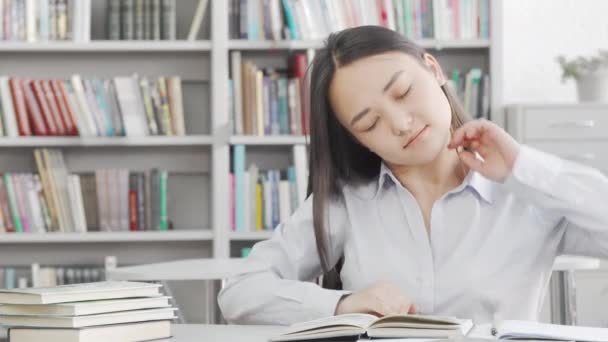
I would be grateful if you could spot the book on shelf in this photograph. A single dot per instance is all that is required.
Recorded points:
(86, 312)
(90, 107)
(261, 199)
(473, 88)
(37, 276)
(141, 19)
(45, 20)
(369, 326)
(527, 330)
(315, 19)
(106, 200)
(268, 101)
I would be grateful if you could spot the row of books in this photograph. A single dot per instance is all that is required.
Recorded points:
(473, 88)
(11, 278)
(107, 200)
(315, 19)
(268, 101)
(121, 106)
(89, 312)
(45, 20)
(141, 19)
(261, 200)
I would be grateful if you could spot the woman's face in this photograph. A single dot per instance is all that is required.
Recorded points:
(394, 106)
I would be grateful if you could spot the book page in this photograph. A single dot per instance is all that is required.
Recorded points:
(355, 320)
(534, 330)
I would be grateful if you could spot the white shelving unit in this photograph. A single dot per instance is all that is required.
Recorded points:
(198, 162)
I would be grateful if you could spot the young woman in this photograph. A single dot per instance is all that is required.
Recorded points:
(421, 209)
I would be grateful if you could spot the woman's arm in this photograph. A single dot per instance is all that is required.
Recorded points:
(282, 291)
(567, 190)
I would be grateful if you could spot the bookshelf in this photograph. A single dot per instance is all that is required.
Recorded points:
(198, 163)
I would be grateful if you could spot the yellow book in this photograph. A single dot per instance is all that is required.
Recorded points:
(258, 207)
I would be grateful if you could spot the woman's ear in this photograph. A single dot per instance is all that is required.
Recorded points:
(435, 68)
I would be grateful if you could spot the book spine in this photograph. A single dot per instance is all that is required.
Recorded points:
(156, 20)
(52, 105)
(114, 19)
(166, 113)
(20, 108)
(239, 174)
(138, 19)
(126, 20)
(39, 112)
(164, 222)
(133, 202)
(141, 202)
(6, 210)
(168, 19)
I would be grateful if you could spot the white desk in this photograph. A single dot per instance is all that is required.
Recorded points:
(223, 333)
(563, 290)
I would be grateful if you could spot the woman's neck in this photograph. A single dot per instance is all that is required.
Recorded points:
(438, 177)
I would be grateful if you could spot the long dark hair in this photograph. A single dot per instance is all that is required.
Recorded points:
(336, 158)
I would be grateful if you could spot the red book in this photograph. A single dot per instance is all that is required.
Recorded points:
(36, 87)
(33, 109)
(299, 71)
(64, 107)
(52, 101)
(20, 109)
(132, 210)
(383, 12)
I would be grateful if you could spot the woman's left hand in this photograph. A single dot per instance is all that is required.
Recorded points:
(497, 148)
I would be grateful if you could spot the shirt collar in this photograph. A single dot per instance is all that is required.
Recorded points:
(474, 180)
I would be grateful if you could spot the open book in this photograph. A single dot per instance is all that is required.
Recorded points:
(357, 325)
(518, 330)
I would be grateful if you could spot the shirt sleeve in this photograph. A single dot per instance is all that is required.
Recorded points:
(569, 191)
(279, 289)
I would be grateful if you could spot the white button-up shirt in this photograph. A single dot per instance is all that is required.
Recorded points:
(488, 256)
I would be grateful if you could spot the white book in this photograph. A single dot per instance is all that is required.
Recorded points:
(113, 199)
(141, 331)
(133, 117)
(390, 12)
(364, 325)
(85, 21)
(88, 320)
(85, 111)
(237, 91)
(36, 211)
(92, 307)
(79, 292)
(527, 330)
(81, 222)
(438, 19)
(177, 105)
(284, 200)
(276, 19)
(30, 20)
(9, 119)
(199, 14)
(102, 202)
(301, 166)
(35, 271)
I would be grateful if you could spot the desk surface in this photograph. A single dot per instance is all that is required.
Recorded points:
(223, 333)
(216, 269)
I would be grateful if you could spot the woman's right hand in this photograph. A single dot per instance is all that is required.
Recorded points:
(380, 299)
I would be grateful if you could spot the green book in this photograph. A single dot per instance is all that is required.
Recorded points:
(10, 191)
(163, 199)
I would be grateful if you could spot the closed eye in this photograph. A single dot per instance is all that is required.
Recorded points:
(402, 96)
(371, 127)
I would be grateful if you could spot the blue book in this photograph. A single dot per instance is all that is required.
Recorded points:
(293, 188)
(103, 105)
(9, 278)
(276, 213)
(291, 23)
(238, 164)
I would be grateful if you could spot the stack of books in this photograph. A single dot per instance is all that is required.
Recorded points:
(101, 311)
